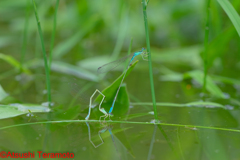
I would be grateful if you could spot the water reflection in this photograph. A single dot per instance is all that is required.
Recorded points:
(90, 137)
(101, 131)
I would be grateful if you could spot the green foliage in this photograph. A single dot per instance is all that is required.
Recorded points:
(79, 36)
(211, 86)
(122, 103)
(232, 14)
(219, 46)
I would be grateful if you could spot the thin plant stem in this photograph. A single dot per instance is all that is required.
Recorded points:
(144, 4)
(206, 47)
(24, 45)
(44, 55)
(159, 124)
(53, 33)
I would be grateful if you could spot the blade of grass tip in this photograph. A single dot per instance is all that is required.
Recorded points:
(144, 5)
(53, 33)
(44, 55)
(129, 52)
(206, 47)
(25, 32)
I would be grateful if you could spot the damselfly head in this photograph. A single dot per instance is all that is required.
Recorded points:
(144, 54)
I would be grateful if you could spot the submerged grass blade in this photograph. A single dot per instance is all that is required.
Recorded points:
(191, 104)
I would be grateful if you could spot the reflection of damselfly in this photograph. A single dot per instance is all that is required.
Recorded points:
(109, 128)
(90, 137)
(110, 66)
(75, 90)
(106, 127)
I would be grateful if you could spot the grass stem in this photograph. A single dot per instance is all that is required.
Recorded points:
(44, 55)
(144, 4)
(206, 47)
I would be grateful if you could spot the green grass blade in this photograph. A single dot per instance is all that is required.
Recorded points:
(14, 63)
(44, 54)
(232, 13)
(205, 59)
(144, 5)
(190, 104)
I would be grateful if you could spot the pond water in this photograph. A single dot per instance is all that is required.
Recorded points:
(183, 132)
(129, 141)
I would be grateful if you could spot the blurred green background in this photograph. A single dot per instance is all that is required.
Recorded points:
(92, 33)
